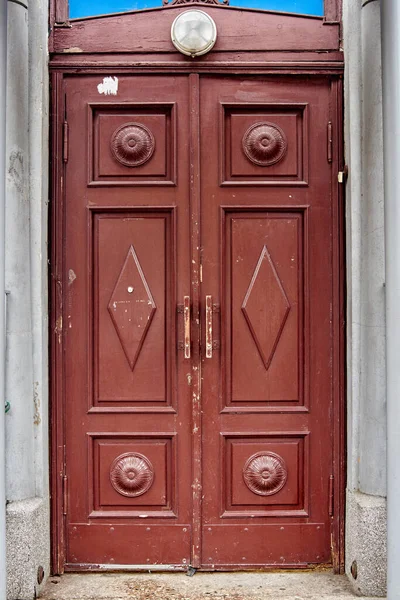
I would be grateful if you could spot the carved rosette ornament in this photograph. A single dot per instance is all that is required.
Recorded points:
(264, 144)
(131, 474)
(132, 144)
(265, 473)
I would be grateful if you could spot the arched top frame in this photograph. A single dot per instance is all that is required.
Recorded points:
(252, 33)
(59, 10)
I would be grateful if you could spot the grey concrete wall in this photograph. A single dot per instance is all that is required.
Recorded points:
(38, 197)
(27, 462)
(19, 424)
(366, 392)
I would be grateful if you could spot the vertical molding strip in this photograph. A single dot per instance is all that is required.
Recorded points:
(194, 106)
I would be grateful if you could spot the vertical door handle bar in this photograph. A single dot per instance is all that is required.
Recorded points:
(186, 321)
(209, 325)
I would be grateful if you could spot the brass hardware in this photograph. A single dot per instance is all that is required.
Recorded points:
(209, 317)
(342, 175)
(186, 321)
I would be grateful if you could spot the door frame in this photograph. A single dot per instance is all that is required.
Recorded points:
(59, 11)
(60, 70)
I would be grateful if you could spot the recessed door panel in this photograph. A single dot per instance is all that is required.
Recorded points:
(259, 135)
(133, 308)
(263, 320)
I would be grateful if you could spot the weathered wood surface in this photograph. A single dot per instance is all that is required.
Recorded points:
(238, 30)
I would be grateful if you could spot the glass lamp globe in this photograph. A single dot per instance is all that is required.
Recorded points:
(193, 33)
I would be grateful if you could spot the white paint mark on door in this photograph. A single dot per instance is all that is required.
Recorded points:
(109, 86)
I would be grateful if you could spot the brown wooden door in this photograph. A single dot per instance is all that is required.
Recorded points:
(157, 473)
(267, 260)
(127, 400)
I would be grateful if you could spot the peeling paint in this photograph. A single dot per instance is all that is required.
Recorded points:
(72, 50)
(58, 329)
(71, 276)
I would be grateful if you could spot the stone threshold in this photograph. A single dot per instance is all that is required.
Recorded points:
(202, 586)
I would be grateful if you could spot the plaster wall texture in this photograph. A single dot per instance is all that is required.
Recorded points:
(27, 458)
(372, 467)
(366, 377)
(19, 421)
(38, 196)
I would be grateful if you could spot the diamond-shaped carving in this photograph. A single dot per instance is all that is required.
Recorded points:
(266, 307)
(132, 307)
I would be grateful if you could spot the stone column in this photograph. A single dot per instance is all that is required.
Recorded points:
(391, 112)
(28, 540)
(3, 85)
(366, 392)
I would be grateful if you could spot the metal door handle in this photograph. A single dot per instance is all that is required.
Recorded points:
(209, 327)
(186, 322)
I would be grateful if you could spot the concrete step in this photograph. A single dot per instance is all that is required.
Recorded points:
(202, 586)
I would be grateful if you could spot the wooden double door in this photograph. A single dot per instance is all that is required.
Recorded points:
(200, 322)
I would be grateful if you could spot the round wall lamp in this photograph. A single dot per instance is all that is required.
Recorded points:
(193, 33)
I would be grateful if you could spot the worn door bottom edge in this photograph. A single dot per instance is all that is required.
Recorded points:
(71, 568)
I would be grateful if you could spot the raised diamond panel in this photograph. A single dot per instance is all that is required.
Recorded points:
(266, 307)
(132, 307)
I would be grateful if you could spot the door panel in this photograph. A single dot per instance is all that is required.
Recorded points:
(133, 307)
(267, 264)
(127, 402)
(263, 315)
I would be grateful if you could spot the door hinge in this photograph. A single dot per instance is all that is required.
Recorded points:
(331, 481)
(65, 141)
(330, 142)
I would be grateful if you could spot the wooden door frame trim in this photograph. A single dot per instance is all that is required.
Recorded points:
(339, 329)
(195, 258)
(77, 65)
(59, 12)
(56, 335)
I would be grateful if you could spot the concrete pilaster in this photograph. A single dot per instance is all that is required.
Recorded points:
(366, 360)
(27, 459)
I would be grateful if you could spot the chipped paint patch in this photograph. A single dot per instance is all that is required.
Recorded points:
(58, 329)
(109, 86)
(71, 276)
(72, 50)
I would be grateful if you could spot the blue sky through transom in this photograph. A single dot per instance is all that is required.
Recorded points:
(88, 8)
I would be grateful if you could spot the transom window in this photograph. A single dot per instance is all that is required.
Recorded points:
(89, 8)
